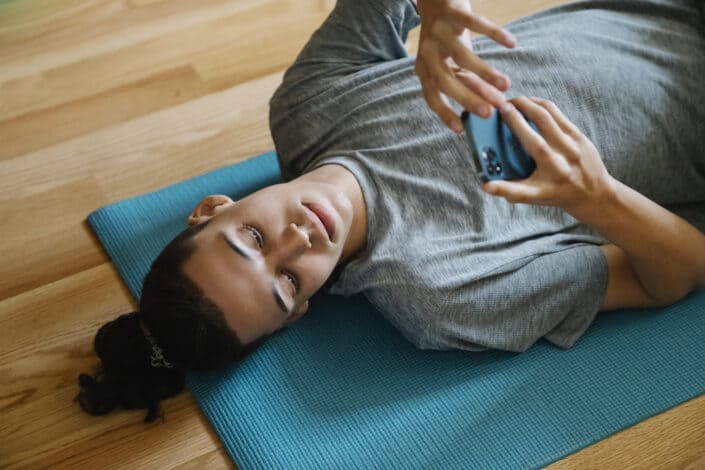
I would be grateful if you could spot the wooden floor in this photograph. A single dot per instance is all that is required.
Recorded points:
(105, 99)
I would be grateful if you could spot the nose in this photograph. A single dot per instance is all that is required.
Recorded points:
(294, 241)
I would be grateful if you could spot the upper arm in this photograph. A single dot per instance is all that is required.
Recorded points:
(623, 287)
(356, 34)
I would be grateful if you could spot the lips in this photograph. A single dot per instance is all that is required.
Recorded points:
(324, 217)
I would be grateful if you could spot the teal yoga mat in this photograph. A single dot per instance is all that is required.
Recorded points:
(342, 389)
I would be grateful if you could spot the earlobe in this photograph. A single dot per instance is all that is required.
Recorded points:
(208, 207)
(192, 220)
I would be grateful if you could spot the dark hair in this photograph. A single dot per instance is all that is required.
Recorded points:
(189, 328)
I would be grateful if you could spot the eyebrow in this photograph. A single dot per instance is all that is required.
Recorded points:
(277, 297)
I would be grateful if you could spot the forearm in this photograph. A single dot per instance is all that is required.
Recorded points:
(666, 253)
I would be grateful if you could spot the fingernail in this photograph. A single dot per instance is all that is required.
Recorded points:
(457, 127)
(506, 108)
(485, 111)
(500, 82)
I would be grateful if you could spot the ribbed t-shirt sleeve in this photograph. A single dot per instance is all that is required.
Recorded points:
(555, 296)
(356, 36)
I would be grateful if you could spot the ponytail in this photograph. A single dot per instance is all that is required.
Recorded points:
(127, 377)
(145, 355)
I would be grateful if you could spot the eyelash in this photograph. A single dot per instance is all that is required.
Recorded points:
(260, 242)
(255, 234)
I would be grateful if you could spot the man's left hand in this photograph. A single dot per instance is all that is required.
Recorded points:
(447, 65)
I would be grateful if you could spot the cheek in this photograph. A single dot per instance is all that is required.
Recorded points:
(317, 270)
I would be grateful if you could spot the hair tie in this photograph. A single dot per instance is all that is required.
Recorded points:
(156, 358)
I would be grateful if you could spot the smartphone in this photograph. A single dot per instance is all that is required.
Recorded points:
(495, 150)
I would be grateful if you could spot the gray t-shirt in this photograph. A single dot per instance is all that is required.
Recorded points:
(448, 265)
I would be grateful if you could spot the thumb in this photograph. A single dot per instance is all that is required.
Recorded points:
(512, 191)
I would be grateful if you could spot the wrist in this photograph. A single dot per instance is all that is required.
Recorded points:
(602, 200)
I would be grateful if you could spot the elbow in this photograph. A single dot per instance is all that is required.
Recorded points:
(666, 297)
(699, 282)
(663, 300)
(700, 271)
(676, 288)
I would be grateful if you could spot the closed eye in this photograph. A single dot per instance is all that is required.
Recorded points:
(277, 297)
(293, 280)
(256, 235)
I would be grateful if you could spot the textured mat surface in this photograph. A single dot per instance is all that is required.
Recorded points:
(341, 388)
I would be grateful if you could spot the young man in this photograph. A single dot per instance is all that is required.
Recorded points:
(381, 195)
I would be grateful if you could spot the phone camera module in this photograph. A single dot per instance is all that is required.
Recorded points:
(488, 153)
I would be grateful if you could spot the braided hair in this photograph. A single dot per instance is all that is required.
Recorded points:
(145, 355)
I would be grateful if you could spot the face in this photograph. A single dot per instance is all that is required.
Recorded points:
(262, 257)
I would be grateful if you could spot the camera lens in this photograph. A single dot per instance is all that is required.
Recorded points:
(498, 168)
(490, 169)
(488, 153)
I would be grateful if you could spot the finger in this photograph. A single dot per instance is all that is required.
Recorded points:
(469, 61)
(466, 39)
(513, 191)
(563, 122)
(547, 126)
(449, 85)
(482, 25)
(478, 86)
(533, 142)
(436, 101)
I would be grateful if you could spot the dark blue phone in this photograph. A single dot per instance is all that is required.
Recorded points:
(496, 152)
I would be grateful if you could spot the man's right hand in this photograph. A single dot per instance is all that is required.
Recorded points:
(447, 65)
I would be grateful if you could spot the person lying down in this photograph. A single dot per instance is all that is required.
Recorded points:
(381, 197)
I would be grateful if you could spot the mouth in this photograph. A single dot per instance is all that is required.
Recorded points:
(324, 218)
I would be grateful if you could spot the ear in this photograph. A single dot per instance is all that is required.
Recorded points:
(209, 207)
(298, 314)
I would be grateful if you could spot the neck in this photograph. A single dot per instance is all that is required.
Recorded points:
(345, 181)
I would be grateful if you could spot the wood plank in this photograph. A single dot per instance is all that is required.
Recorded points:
(27, 18)
(46, 257)
(39, 363)
(95, 75)
(149, 152)
(215, 460)
(673, 439)
(67, 312)
(42, 128)
(44, 238)
(257, 52)
(39, 36)
(48, 338)
(88, 115)
(68, 438)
